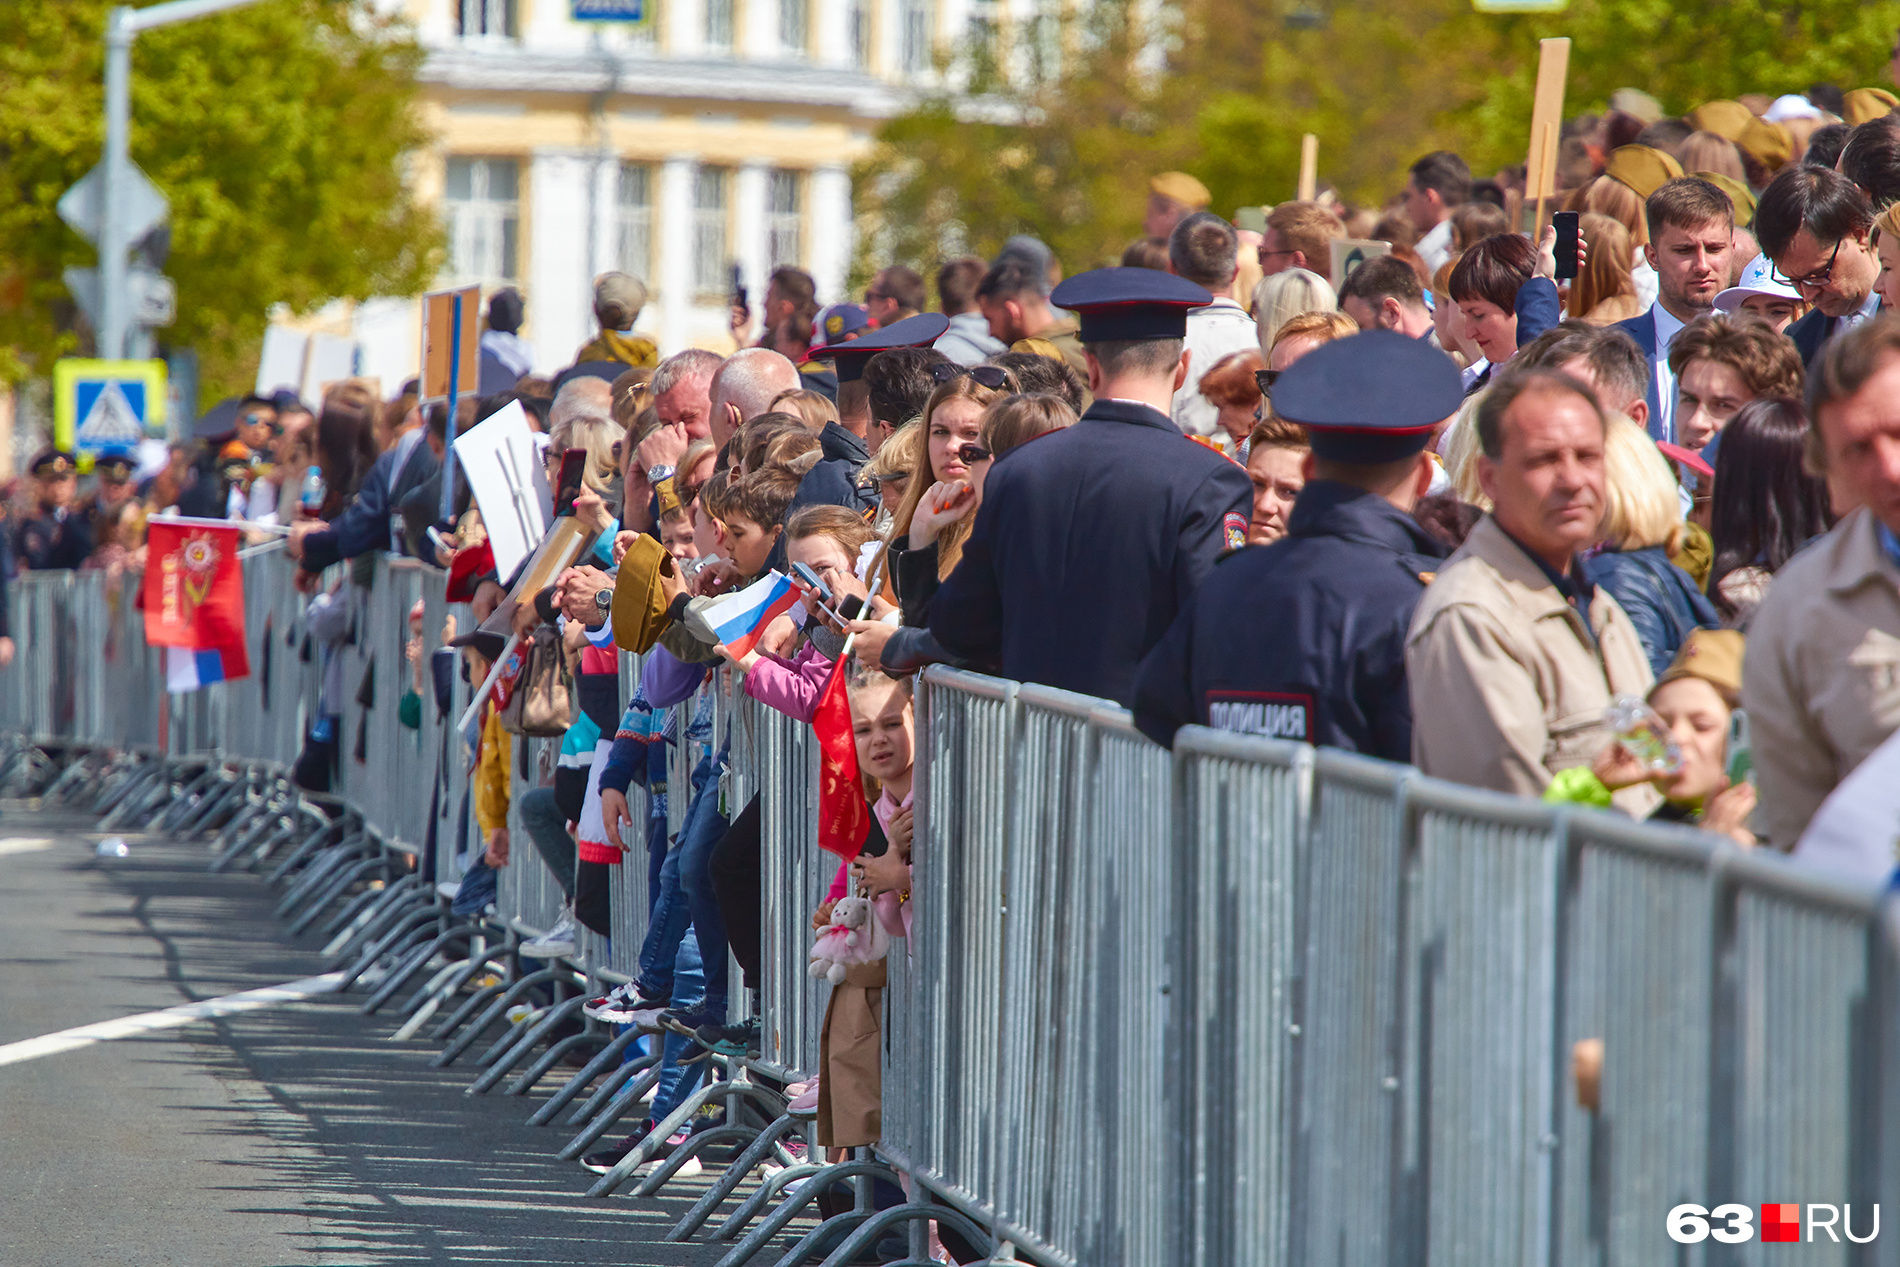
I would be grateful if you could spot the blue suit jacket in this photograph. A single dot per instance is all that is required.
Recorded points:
(1643, 330)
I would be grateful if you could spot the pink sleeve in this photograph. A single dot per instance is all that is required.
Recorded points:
(789, 686)
(840, 883)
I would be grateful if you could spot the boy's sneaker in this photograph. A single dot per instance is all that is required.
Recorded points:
(624, 1005)
(730, 1040)
(687, 1021)
(559, 942)
(605, 1159)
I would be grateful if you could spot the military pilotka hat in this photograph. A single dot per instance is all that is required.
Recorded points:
(113, 468)
(919, 331)
(1369, 398)
(52, 464)
(1133, 304)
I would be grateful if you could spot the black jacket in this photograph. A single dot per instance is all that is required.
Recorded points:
(1089, 541)
(1303, 639)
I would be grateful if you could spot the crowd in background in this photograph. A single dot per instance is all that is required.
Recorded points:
(1622, 534)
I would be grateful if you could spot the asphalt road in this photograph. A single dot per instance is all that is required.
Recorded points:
(298, 1134)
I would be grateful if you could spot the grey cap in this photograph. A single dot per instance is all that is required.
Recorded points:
(618, 299)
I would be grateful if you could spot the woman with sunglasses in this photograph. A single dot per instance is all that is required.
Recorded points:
(943, 484)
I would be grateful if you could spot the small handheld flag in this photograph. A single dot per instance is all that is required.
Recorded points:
(194, 602)
(740, 619)
(844, 817)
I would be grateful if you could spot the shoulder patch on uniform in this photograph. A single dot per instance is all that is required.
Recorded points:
(1234, 530)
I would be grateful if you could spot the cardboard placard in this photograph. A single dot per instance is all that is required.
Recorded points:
(1547, 118)
(502, 459)
(1309, 168)
(451, 364)
(1350, 253)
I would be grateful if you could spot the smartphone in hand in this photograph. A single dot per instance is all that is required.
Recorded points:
(1565, 251)
(568, 486)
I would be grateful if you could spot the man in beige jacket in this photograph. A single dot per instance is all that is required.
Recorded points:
(1513, 655)
(1821, 681)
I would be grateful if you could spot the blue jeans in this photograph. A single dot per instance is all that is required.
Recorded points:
(687, 899)
(677, 1081)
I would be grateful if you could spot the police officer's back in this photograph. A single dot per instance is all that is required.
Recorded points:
(1089, 539)
(1304, 639)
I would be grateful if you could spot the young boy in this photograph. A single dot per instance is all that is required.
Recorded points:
(750, 514)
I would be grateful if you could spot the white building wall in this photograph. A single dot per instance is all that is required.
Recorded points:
(559, 286)
(831, 231)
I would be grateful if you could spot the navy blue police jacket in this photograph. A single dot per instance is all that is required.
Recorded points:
(1302, 639)
(1088, 543)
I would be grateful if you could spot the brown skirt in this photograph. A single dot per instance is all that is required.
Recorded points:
(850, 1078)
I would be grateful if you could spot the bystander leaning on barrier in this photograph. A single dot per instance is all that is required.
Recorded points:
(1514, 655)
(1822, 679)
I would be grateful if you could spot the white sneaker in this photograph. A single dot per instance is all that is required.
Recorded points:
(448, 888)
(558, 942)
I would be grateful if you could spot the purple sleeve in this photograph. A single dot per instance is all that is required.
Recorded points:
(792, 686)
(667, 679)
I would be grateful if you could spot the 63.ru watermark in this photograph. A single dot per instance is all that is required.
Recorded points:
(1733, 1224)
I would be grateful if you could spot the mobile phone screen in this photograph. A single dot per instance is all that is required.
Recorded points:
(568, 487)
(1565, 222)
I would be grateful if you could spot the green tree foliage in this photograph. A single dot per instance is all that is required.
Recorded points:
(1064, 151)
(279, 133)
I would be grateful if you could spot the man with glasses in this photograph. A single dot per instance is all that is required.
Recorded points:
(1817, 228)
(1300, 235)
(1691, 236)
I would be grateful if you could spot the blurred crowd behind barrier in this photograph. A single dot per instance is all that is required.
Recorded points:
(1246, 1003)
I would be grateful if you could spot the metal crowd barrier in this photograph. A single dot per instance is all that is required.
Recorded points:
(1249, 1003)
(1309, 1007)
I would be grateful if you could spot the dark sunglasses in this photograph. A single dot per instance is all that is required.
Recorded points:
(1265, 379)
(990, 376)
(971, 454)
(251, 420)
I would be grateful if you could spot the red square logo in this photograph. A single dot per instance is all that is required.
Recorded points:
(1781, 1222)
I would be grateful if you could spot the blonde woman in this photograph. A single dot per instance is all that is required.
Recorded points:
(1285, 295)
(1887, 251)
(1604, 292)
(1642, 526)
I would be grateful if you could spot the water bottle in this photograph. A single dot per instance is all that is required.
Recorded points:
(310, 495)
(1642, 734)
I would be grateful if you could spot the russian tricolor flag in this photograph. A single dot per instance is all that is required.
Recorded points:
(187, 670)
(739, 619)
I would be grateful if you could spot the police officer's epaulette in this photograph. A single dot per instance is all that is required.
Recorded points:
(1420, 567)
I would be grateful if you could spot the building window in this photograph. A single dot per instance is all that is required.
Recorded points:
(484, 214)
(794, 17)
(784, 219)
(916, 15)
(633, 224)
(711, 250)
(858, 25)
(719, 26)
(486, 17)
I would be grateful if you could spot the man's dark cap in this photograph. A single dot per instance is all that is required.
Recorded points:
(113, 466)
(53, 462)
(1129, 304)
(286, 400)
(255, 399)
(1369, 398)
(219, 421)
(919, 331)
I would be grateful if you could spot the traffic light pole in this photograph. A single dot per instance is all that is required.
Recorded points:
(122, 26)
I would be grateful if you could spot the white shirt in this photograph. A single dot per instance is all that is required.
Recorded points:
(1435, 247)
(1217, 330)
(1667, 328)
(1646, 283)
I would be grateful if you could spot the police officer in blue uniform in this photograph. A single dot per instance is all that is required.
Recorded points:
(1304, 639)
(57, 535)
(1090, 539)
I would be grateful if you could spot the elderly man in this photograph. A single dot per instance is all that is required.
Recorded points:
(1513, 655)
(1822, 679)
(682, 398)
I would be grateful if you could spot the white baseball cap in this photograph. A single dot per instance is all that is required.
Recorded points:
(1757, 279)
(1792, 106)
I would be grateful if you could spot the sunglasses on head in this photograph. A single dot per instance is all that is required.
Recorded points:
(990, 376)
(1265, 379)
(971, 454)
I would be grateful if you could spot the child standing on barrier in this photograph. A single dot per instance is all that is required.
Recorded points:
(848, 1095)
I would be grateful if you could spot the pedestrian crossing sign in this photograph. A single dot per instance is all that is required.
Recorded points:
(106, 407)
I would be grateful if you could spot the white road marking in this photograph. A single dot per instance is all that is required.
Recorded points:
(169, 1018)
(24, 844)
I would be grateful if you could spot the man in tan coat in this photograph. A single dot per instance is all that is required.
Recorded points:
(1513, 655)
(1821, 681)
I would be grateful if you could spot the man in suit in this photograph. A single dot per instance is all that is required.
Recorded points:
(1817, 227)
(1691, 231)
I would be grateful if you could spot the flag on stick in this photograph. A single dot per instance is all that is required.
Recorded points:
(194, 602)
(844, 817)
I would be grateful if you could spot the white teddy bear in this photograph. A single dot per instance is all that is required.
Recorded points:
(853, 936)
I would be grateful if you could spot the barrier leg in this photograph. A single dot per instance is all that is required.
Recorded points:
(319, 839)
(761, 1147)
(503, 1062)
(475, 1003)
(406, 972)
(607, 1058)
(450, 1054)
(732, 1090)
(793, 1206)
(695, 1144)
(352, 924)
(427, 1001)
(755, 1204)
(317, 897)
(551, 1057)
(411, 930)
(614, 1107)
(916, 1213)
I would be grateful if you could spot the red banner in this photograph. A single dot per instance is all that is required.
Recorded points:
(194, 589)
(844, 817)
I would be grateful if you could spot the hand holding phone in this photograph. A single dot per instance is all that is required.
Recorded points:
(568, 487)
(1565, 249)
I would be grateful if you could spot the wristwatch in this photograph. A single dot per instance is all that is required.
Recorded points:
(662, 472)
(604, 601)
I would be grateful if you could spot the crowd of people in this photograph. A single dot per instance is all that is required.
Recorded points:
(1617, 530)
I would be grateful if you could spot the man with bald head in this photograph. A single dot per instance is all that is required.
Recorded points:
(585, 397)
(745, 387)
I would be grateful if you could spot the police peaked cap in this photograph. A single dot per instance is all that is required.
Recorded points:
(1369, 398)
